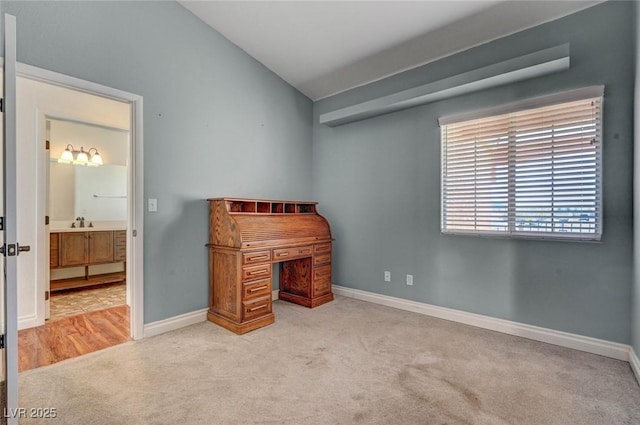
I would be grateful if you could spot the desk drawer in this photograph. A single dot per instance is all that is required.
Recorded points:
(255, 308)
(256, 257)
(256, 272)
(322, 248)
(321, 280)
(305, 251)
(322, 273)
(321, 287)
(255, 289)
(321, 259)
(289, 253)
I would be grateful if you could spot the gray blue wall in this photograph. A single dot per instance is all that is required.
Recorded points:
(378, 183)
(216, 122)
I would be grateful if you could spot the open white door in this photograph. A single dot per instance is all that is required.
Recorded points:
(9, 247)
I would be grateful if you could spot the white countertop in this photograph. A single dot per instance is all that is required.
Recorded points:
(98, 226)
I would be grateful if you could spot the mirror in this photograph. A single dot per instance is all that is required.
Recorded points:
(96, 193)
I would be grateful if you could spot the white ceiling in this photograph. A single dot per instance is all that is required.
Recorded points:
(326, 47)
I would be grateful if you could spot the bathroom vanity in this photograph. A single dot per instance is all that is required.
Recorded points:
(87, 247)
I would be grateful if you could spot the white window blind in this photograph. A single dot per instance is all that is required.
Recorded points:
(533, 172)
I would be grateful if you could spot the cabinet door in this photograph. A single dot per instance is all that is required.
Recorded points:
(73, 249)
(100, 247)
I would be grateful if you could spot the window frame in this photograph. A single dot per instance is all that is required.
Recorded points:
(593, 92)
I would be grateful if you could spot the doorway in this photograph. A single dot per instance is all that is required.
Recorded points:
(87, 207)
(32, 309)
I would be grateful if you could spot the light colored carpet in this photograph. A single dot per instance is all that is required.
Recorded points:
(344, 362)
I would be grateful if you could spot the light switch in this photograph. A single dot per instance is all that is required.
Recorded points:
(153, 205)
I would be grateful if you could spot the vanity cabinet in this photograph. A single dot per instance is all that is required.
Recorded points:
(85, 249)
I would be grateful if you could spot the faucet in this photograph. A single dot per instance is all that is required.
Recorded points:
(81, 220)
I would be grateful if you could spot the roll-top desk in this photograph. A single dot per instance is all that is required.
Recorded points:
(246, 237)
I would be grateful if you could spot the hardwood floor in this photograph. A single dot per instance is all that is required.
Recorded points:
(72, 336)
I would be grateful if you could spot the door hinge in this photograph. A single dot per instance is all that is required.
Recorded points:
(1, 223)
(46, 220)
(46, 144)
(134, 233)
(1, 341)
(1, 104)
(46, 295)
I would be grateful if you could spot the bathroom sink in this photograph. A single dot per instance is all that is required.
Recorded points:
(65, 226)
(86, 229)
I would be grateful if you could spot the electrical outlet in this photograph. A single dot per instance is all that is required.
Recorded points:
(409, 279)
(387, 276)
(152, 205)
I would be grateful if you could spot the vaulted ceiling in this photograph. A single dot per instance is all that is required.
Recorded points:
(326, 47)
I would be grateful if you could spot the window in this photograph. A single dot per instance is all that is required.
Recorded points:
(530, 169)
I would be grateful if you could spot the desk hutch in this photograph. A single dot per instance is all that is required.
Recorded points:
(246, 237)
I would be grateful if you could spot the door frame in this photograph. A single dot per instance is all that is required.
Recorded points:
(135, 231)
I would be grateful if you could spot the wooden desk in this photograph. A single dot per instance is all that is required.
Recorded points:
(246, 237)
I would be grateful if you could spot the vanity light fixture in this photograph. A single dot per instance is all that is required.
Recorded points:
(72, 156)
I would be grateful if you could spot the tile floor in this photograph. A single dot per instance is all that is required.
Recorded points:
(82, 300)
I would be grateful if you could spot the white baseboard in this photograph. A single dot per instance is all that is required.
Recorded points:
(274, 294)
(173, 323)
(635, 363)
(26, 322)
(564, 339)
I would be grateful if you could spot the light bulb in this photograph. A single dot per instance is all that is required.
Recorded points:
(96, 159)
(82, 157)
(66, 157)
